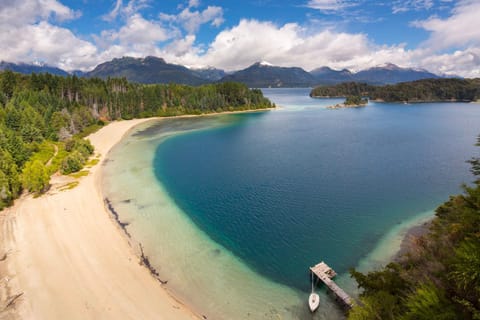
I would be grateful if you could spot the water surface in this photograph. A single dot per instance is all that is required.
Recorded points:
(234, 209)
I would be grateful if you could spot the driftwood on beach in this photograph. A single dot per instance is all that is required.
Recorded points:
(146, 262)
(122, 225)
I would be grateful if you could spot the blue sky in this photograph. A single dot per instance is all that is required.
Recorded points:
(442, 36)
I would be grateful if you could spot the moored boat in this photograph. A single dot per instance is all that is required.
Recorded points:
(313, 301)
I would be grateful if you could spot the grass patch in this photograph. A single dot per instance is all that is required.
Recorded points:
(69, 186)
(92, 162)
(79, 174)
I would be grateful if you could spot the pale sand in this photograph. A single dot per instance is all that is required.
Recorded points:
(71, 261)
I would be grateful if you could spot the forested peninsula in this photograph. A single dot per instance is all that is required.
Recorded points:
(428, 90)
(43, 118)
(439, 277)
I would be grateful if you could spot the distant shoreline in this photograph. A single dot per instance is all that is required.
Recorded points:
(400, 101)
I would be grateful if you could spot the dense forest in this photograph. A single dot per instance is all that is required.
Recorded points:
(439, 278)
(43, 118)
(428, 90)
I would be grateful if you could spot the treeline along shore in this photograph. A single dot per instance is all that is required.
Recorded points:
(427, 90)
(43, 119)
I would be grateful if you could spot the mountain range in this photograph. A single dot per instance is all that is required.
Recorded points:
(259, 75)
(31, 68)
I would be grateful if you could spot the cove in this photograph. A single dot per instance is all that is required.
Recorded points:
(283, 190)
(250, 201)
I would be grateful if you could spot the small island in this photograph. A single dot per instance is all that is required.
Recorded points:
(351, 102)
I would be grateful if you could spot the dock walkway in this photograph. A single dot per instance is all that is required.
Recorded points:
(325, 273)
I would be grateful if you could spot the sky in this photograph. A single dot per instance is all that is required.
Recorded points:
(441, 36)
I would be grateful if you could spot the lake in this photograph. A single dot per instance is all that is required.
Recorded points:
(233, 209)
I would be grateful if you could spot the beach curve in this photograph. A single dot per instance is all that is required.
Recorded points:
(64, 257)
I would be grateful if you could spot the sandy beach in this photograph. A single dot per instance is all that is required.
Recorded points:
(62, 255)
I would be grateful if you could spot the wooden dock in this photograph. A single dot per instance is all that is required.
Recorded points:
(325, 273)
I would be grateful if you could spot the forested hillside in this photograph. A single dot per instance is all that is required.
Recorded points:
(439, 278)
(42, 118)
(429, 90)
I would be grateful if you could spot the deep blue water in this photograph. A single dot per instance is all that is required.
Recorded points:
(285, 189)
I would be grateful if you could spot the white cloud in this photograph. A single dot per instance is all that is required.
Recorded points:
(29, 35)
(330, 5)
(132, 7)
(138, 30)
(192, 20)
(400, 6)
(47, 43)
(112, 15)
(464, 63)
(15, 13)
(251, 41)
(462, 28)
(194, 3)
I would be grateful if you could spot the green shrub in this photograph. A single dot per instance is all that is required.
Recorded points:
(72, 163)
(84, 147)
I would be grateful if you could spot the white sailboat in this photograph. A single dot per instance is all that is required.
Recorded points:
(313, 299)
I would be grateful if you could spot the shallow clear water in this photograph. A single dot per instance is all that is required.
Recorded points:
(234, 209)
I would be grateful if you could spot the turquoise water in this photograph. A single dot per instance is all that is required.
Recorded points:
(258, 198)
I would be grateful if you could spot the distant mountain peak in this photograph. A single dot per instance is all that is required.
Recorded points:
(264, 64)
(153, 59)
(147, 70)
(325, 68)
(264, 75)
(389, 66)
(38, 63)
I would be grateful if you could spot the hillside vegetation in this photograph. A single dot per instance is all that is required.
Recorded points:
(428, 90)
(439, 278)
(43, 118)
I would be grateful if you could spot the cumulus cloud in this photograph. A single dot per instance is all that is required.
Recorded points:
(250, 41)
(16, 13)
(29, 35)
(138, 30)
(192, 20)
(47, 43)
(464, 63)
(462, 28)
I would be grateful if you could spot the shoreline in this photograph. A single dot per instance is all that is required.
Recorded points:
(394, 244)
(62, 256)
(66, 259)
(408, 241)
